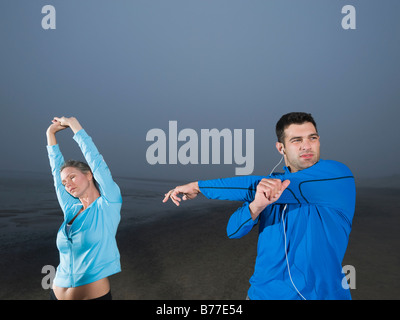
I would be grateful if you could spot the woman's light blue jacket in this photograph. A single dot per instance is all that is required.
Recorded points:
(89, 251)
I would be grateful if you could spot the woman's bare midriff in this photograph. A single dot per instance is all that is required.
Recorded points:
(86, 292)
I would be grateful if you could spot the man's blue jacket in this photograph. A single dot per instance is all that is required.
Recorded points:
(317, 220)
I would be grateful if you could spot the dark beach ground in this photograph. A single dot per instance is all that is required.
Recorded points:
(181, 253)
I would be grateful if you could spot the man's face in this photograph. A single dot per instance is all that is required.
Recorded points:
(301, 146)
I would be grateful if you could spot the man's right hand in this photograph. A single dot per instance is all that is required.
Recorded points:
(268, 191)
(189, 191)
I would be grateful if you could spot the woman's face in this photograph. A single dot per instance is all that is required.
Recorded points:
(76, 182)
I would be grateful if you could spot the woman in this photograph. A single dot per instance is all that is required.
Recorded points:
(86, 239)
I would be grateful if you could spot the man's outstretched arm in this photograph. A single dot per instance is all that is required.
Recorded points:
(260, 192)
(234, 189)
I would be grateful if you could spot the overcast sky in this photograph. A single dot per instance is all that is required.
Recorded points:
(124, 68)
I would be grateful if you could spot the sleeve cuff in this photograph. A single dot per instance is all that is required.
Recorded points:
(248, 214)
(202, 184)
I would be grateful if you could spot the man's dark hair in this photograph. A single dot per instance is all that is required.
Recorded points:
(292, 118)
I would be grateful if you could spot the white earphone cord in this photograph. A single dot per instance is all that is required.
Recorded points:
(276, 166)
(284, 232)
(287, 260)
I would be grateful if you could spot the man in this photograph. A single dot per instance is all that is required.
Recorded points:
(304, 216)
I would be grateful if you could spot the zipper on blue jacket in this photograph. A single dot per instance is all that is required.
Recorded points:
(70, 261)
